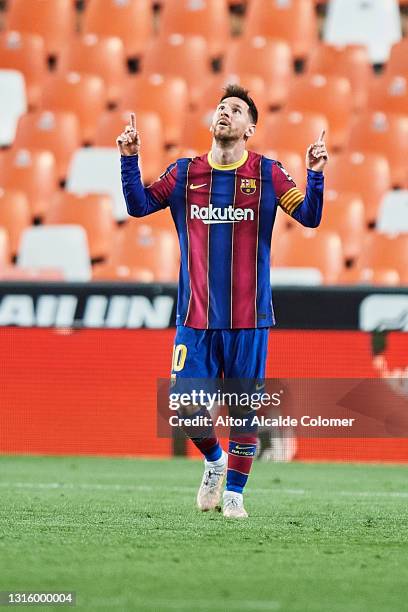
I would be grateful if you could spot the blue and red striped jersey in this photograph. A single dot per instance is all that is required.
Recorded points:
(224, 217)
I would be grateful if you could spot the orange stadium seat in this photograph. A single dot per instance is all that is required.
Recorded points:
(4, 248)
(93, 212)
(113, 272)
(295, 22)
(33, 172)
(383, 251)
(111, 124)
(58, 132)
(9, 273)
(208, 18)
(165, 95)
(54, 20)
(351, 62)
(365, 174)
(386, 134)
(345, 214)
(82, 94)
(269, 59)
(26, 53)
(397, 62)
(102, 56)
(308, 248)
(139, 246)
(293, 130)
(183, 56)
(131, 21)
(14, 215)
(389, 94)
(369, 276)
(329, 95)
(293, 162)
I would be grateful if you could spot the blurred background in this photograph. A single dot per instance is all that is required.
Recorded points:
(71, 260)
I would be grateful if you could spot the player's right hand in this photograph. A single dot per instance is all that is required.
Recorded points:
(129, 140)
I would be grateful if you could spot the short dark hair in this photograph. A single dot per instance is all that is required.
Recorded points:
(236, 91)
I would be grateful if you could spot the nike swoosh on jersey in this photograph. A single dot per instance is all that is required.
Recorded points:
(197, 186)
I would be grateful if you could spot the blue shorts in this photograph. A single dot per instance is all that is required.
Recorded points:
(211, 353)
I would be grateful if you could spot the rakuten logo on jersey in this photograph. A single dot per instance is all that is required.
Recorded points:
(214, 214)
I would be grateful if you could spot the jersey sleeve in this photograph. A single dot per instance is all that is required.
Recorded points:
(305, 208)
(140, 200)
(288, 195)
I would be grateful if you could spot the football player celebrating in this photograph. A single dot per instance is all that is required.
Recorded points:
(224, 204)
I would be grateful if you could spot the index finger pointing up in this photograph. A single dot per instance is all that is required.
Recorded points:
(321, 136)
(133, 120)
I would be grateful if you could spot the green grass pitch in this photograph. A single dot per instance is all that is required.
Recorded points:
(125, 535)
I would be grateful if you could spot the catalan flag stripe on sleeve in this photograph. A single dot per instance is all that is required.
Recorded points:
(291, 199)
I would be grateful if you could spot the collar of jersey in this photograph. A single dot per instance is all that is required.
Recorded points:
(233, 166)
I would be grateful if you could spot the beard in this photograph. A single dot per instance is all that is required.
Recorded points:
(224, 134)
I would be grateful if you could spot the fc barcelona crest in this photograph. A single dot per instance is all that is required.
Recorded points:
(248, 186)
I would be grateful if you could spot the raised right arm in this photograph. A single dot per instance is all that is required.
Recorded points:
(140, 200)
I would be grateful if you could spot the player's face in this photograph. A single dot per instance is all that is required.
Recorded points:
(231, 120)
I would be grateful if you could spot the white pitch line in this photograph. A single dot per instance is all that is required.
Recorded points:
(204, 604)
(150, 488)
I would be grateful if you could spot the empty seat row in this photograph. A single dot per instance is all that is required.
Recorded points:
(376, 23)
(147, 254)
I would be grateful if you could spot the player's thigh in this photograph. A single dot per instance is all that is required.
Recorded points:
(245, 352)
(196, 353)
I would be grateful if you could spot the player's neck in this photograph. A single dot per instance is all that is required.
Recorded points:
(228, 153)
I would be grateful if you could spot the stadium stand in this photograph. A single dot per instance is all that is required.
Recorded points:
(14, 215)
(367, 174)
(97, 170)
(92, 212)
(397, 63)
(385, 134)
(269, 59)
(25, 53)
(209, 19)
(389, 94)
(140, 247)
(330, 95)
(130, 21)
(4, 247)
(13, 103)
(344, 213)
(386, 251)
(293, 130)
(375, 23)
(311, 249)
(63, 247)
(351, 62)
(369, 276)
(53, 20)
(49, 111)
(393, 213)
(183, 56)
(83, 94)
(58, 132)
(165, 95)
(295, 22)
(104, 57)
(35, 173)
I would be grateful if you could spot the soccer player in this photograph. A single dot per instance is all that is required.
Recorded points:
(223, 205)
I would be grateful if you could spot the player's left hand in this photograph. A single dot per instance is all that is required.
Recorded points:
(316, 154)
